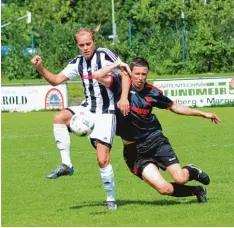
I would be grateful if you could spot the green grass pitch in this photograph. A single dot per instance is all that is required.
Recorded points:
(29, 154)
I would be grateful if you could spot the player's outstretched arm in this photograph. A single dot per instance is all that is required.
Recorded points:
(183, 110)
(102, 74)
(50, 77)
(232, 82)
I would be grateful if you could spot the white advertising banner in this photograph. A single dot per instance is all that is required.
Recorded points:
(198, 92)
(28, 98)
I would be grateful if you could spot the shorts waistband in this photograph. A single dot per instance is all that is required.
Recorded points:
(141, 140)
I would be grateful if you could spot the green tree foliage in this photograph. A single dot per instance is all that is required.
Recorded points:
(211, 48)
(155, 28)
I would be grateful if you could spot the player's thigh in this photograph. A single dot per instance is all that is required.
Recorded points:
(158, 148)
(152, 176)
(164, 153)
(104, 129)
(63, 117)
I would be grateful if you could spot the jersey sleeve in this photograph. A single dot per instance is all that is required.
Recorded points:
(162, 102)
(71, 70)
(157, 99)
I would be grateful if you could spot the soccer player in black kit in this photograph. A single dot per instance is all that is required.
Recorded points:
(146, 149)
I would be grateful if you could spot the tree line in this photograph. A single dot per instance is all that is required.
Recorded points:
(175, 36)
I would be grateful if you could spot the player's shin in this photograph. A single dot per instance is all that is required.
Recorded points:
(62, 139)
(107, 176)
(181, 190)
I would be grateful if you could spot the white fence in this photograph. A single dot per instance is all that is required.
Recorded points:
(28, 98)
(198, 92)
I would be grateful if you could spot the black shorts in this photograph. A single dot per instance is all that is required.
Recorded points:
(156, 150)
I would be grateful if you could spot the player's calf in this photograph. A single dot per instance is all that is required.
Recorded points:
(185, 190)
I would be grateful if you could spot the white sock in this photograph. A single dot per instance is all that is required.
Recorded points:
(62, 139)
(107, 176)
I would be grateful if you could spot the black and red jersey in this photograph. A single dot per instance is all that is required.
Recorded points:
(140, 123)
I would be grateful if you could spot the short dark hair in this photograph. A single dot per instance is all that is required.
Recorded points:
(141, 62)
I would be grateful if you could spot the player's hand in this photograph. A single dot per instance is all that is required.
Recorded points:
(123, 105)
(214, 118)
(37, 61)
(125, 68)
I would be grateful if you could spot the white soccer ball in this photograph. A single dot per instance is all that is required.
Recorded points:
(82, 123)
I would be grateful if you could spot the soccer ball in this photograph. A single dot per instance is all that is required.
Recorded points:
(82, 123)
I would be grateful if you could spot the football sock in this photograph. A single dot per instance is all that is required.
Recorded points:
(107, 176)
(62, 139)
(181, 190)
(193, 173)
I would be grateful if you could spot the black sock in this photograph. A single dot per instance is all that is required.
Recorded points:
(193, 173)
(181, 190)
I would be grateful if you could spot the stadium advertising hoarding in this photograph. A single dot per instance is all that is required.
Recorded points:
(28, 98)
(198, 92)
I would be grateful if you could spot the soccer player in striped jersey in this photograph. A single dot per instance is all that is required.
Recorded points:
(98, 99)
(146, 149)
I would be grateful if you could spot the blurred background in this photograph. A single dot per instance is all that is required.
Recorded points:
(176, 36)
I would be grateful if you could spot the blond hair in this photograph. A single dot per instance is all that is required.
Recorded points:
(91, 32)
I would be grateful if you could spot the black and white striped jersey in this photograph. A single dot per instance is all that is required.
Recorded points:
(98, 98)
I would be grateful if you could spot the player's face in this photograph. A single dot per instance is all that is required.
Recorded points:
(86, 45)
(139, 76)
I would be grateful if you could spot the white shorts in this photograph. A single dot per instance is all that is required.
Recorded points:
(104, 128)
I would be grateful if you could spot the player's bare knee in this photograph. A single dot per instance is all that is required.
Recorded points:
(57, 118)
(62, 117)
(103, 162)
(103, 155)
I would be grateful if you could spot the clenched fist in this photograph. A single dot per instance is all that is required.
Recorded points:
(37, 61)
